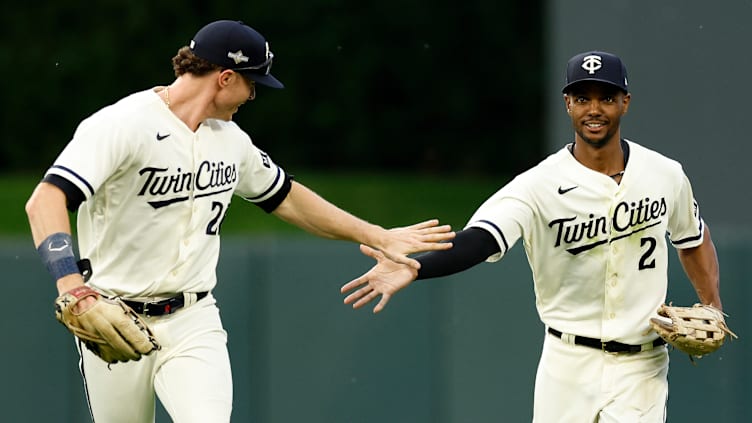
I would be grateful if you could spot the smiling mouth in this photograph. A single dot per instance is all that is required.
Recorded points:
(595, 125)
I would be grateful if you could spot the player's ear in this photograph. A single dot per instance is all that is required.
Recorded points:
(566, 104)
(225, 78)
(627, 98)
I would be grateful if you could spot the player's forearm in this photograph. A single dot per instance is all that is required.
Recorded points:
(307, 210)
(46, 212)
(471, 247)
(47, 215)
(701, 266)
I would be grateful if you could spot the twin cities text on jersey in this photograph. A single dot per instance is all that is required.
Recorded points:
(627, 219)
(175, 186)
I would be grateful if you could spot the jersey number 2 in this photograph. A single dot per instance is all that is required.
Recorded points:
(220, 211)
(647, 261)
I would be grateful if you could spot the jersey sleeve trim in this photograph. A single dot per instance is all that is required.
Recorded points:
(691, 239)
(73, 195)
(73, 177)
(270, 204)
(268, 190)
(487, 224)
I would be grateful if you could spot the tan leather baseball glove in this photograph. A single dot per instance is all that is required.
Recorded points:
(109, 328)
(697, 330)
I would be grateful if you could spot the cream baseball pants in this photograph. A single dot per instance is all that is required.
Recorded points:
(190, 374)
(580, 384)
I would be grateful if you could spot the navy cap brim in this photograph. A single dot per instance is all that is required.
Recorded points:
(267, 80)
(605, 81)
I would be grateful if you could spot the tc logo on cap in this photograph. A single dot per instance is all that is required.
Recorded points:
(591, 63)
(596, 66)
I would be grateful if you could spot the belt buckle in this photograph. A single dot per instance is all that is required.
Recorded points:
(604, 346)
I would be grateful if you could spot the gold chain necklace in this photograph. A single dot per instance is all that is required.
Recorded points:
(167, 96)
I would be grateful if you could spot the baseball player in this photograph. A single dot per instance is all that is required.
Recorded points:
(151, 178)
(594, 219)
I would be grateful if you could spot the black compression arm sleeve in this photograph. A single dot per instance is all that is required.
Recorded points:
(471, 246)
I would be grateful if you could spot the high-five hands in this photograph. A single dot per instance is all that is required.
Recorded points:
(385, 279)
(423, 236)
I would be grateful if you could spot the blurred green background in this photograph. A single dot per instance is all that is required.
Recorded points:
(398, 111)
(383, 99)
(409, 86)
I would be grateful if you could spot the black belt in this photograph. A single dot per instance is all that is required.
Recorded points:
(159, 308)
(609, 346)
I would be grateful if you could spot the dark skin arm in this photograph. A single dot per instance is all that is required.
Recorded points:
(701, 266)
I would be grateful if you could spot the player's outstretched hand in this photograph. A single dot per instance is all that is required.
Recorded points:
(385, 279)
(420, 237)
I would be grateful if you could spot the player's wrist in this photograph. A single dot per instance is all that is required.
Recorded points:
(69, 282)
(57, 255)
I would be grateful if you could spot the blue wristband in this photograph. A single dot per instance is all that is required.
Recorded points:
(57, 255)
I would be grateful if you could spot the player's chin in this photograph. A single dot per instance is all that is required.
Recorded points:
(228, 115)
(596, 140)
(236, 109)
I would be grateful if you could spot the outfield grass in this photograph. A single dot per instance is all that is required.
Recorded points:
(386, 199)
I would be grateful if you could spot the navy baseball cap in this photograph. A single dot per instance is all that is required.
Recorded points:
(236, 46)
(596, 66)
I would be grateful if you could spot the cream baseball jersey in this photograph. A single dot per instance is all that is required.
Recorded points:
(597, 249)
(156, 194)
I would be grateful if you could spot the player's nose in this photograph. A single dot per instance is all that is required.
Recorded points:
(595, 107)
